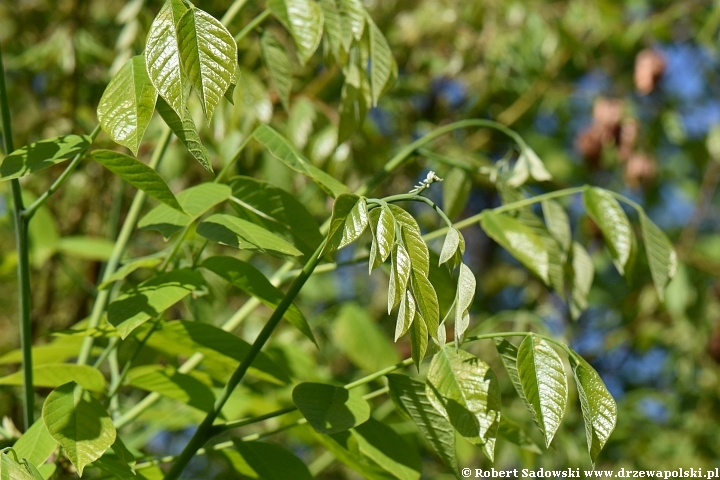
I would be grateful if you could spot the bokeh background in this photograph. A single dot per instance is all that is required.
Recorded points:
(622, 95)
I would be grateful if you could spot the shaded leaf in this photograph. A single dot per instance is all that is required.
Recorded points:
(514, 433)
(353, 109)
(362, 341)
(426, 301)
(42, 154)
(450, 245)
(268, 461)
(660, 253)
(609, 216)
(344, 447)
(348, 222)
(278, 64)
(583, 273)
(558, 223)
(127, 104)
(382, 226)
(465, 391)
(79, 423)
(150, 298)
(304, 20)
(250, 280)
(239, 233)
(544, 384)
(122, 272)
(418, 339)
(51, 375)
(138, 175)
(184, 128)
(528, 165)
(170, 383)
(388, 449)
(330, 409)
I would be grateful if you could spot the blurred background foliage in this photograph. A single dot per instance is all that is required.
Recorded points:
(623, 95)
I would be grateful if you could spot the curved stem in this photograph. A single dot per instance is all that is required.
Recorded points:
(252, 25)
(23, 266)
(30, 211)
(119, 249)
(232, 12)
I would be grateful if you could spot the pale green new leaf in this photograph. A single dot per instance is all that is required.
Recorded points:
(465, 391)
(170, 383)
(406, 315)
(268, 461)
(412, 239)
(349, 220)
(456, 190)
(330, 409)
(87, 248)
(382, 225)
(508, 354)
(304, 20)
(79, 423)
(184, 128)
(162, 57)
(127, 104)
(138, 175)
(528, 165)
(354, 13)
(660, 253)
(418, 339)
(382, 444)
(465, 295)
(239, 233)
(450, 245)
(383, 69)
(12, 469)
(208, 54)
(544, 383)
(51, 375)
(361, 340)
(36, 444)
(195, 201)
(399, 276)
(251, 280)
(410, 398)
(583, 273)
(281, 149)
(426, 301)
(520, 241)
(557, 223)
(132, 265)
(42, 154)
(150, 298)
(598, 406)
(609, 216)
(278, 63)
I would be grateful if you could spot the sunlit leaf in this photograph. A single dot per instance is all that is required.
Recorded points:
(269, 462)
(36, 444)
(127, 104)
(609, 216)
(412, 239)
(660, 253)
(544, 383)
(426, 301)
(456, 190)
(304, 20)
(79, 423)
(388, 449)
(399, 276)
(239, 233)
(583, 273)
(88, 248)
(558, 223)
(418, 339)
(184, 128)
(406, 315)
(278, 64)
(359, 337)
(383, 69)
(51, 375)
(465, 295)
(168, 382)
(382, 225)
(354, 12)
(42, 154)
(13, 468)
(348, 222)
(330, 409)
(128, 268)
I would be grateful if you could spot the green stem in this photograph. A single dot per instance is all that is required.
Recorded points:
(117, 381)
(119, 248)
(252, 25)
(232, 12)
(23, 266)
(233, 160)
(204, 430)
(30, 211)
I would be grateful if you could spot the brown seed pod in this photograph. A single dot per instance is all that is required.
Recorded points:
(649, 66)
(640, 169)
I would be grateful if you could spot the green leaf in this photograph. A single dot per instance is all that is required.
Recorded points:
(208, 54)
(195, 201)
(410, 398)
(512, 432)
(304, 20)
(330, 409)
(42, 154)
(249, 279)
(360, 338)
(333, 27)
(184, 128)
(276, 210)
(412, 239)
(152, 297)
(122, 272)
(383, 69)
(450, 245)
(87, 248)
(465, 391)
(609, 216)
(520, 241)
(36, 444)
(598, 406)
(220, 348)
(300, 122)
(354, 13)
(79, 423)
(508, 354)
(348, 222)
(281, 149)
(456, 190)
(269, 462)
(382, 225)
(426, 301)
(138, 175)
(58, 351)
(12, 469)
(583, 273)
(239, 233)
(162, 57)
(399, 275)
(660, 253)
(344, 446)
(353, 109)
(278, 64)
(127, 104)
(465, 295)
(558, 223)
(51, 375)
(388, 449)
(418, 339)
(406, 314)
(170, 383)
(527, 165)
(544, 384)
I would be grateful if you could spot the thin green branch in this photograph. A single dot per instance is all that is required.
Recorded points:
(30, 210)
(23, 266)
(252, 25)
(236, 157)
(232, 12)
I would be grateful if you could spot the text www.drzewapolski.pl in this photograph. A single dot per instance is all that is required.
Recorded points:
(577, 473)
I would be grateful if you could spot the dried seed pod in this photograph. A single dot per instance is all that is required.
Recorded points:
(640, 169)
(649, 66)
